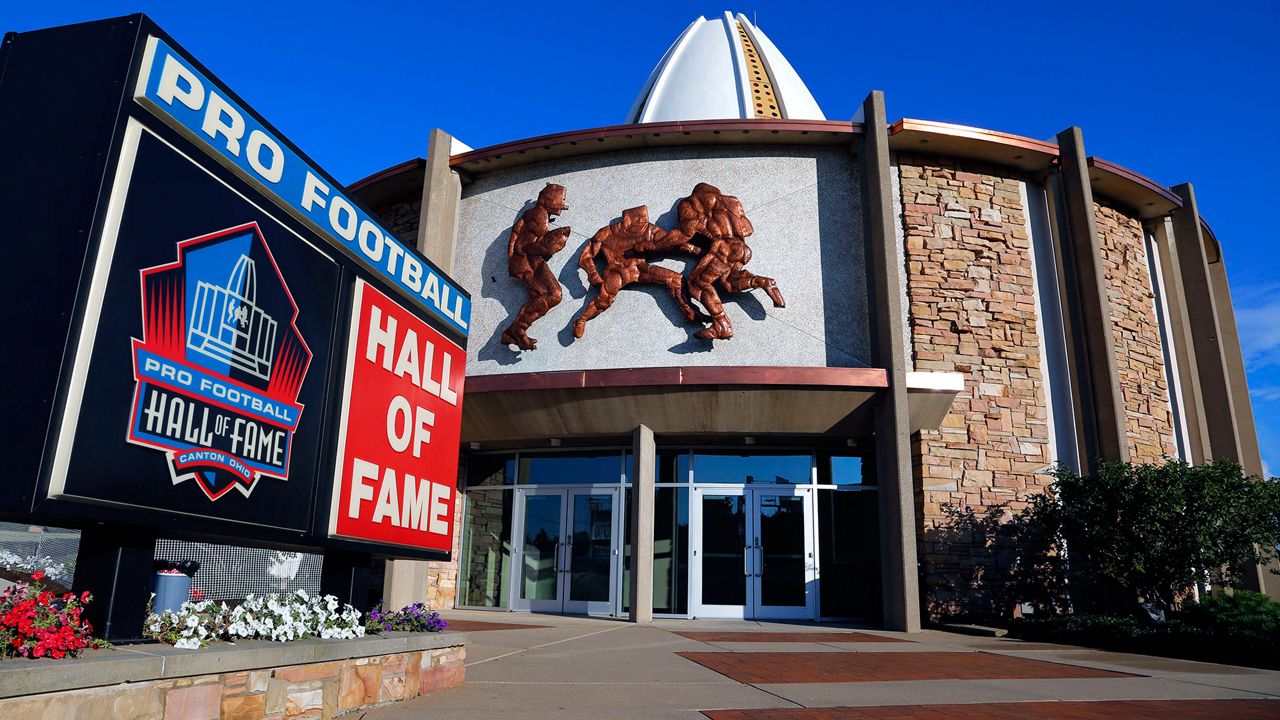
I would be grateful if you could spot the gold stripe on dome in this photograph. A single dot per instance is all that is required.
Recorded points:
(764, 102)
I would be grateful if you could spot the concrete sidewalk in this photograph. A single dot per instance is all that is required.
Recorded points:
(592, 668)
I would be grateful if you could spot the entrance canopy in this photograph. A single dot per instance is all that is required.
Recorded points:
(693, 400)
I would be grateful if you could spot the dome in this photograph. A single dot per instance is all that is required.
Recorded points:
(723, 69)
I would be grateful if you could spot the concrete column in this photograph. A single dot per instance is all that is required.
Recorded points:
(1202, 312)
(1181, 338)
(643, 468)
(441, 194)
(899, 572)
(405, 581)
(1106, 434)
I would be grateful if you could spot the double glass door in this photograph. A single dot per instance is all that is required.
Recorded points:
(566, 556)
(753, 553)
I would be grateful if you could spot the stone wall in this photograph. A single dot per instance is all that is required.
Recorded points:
(442, 577)
(1139, 356)
(402, 219)
(313, 690)
(970, 292)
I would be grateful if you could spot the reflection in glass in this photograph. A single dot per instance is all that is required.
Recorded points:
(846, 470)
(541, 542)
(486, 550)
(491, 470)
(782, 553)
(591, 544)
(571, 469)
(723, 550)
(849, 553)
(753, 468)
(673, 466)
(671, 550)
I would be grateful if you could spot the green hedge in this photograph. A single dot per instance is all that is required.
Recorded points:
(1240, 629)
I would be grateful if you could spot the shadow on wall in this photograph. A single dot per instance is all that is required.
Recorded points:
(495, 274)
(980, 566)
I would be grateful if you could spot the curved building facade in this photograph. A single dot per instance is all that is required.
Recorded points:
(731, 359)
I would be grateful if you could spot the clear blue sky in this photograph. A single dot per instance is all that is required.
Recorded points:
(1177, 90)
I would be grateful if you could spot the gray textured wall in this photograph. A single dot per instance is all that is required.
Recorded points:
(803, 202)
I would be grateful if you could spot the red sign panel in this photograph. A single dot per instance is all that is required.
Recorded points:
(401, 422)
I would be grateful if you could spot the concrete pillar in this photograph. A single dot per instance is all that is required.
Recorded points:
(441, 194)
(1180, 337)
(643, 468)
(1105, 433)
(1202, 312)
(405, 581)
(899, 572)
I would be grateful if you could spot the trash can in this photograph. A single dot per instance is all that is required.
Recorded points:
(172, 584)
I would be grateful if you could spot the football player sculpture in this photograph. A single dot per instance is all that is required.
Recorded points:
(721, 219)
(531, 245)
(624, 245)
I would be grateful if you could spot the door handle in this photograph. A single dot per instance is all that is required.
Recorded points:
(559, 565)
(746, 561)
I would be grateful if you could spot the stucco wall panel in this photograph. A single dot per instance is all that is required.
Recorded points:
(803, 202)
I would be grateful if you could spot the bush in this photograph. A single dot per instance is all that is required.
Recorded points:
(410, 618)
(267, 617)
(1243, 629)
(34, 622)
(1158, 530)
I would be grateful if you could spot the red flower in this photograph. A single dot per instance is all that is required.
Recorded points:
(37, 575)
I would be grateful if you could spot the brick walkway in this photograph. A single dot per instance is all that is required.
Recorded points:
(799, 637)
(1099, 710)
(835, 667)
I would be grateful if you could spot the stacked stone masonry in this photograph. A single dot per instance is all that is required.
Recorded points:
(315, 691)
(970, 292)
(1139, 355)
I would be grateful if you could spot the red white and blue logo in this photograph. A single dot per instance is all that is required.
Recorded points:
(220, 364)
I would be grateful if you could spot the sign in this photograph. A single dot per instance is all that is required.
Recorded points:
(183, 288)
(220, 365)
(400, 425)
(178, 93)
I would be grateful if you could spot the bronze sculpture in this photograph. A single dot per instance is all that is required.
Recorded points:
(624, 245)
(721, 219)
(530, 246)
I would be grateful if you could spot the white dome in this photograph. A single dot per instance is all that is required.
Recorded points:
(723, 69)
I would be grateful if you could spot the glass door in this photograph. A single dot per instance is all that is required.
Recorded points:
(720, 583)
(566, 555)
(591, 554)
(753, 553)
(539, 554)
(784, 571)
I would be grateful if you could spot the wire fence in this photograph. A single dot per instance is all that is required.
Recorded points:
(226, 572)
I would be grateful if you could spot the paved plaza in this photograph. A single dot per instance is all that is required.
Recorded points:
(540, 666)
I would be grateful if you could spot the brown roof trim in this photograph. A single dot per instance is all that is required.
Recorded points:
(404, 167)
(829, 377)
(621, 137)
(1149, 198)
(973, 133)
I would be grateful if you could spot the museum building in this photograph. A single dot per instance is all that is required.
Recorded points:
(732, 359)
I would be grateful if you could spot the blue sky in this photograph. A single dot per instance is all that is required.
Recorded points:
(1179, 91)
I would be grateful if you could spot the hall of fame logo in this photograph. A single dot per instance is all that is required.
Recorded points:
(220, 364)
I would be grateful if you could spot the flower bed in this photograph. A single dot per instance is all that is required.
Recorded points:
(410, 618)
(267, 617)
(35, 622)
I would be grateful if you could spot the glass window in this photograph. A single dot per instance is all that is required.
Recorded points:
(486, 549)
(849, 553)
(571, 468)
(768, 468)
(846, 470)
(491, 470)
(671, 550)
(673, 466)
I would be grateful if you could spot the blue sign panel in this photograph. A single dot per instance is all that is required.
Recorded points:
(194, 104)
